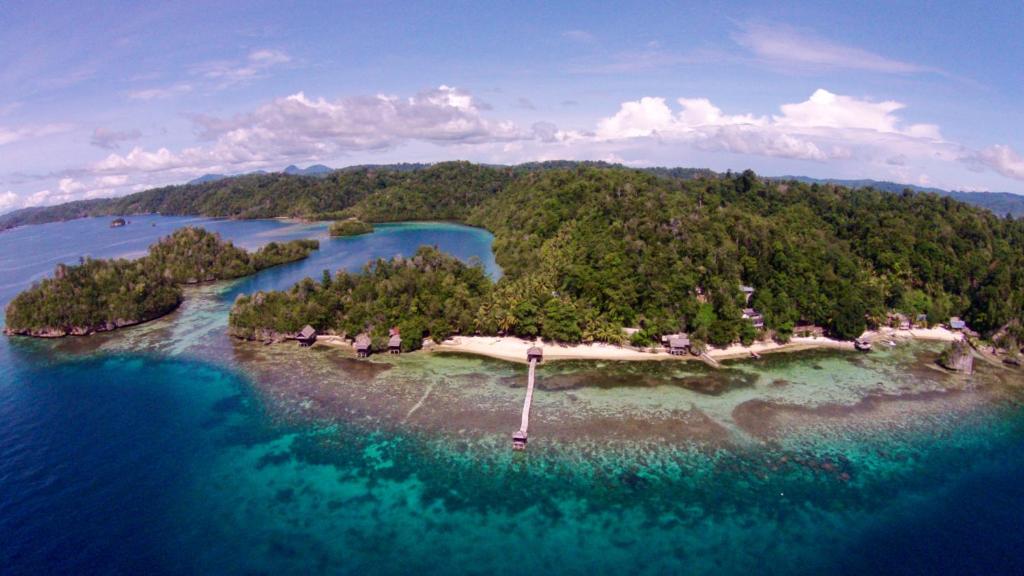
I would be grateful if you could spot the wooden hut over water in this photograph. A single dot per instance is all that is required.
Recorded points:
(307, 336)
(362, 345)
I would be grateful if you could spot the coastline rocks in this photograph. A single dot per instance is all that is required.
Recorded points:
(62, 331)
(958, 357)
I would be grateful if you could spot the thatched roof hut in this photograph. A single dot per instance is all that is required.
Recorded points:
(395, 344)
(534, 353)
(307, 336)
(362, 345)
(678, 344)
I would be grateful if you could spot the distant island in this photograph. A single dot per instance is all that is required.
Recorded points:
(102, 295)
(350, 227)
(612, 255)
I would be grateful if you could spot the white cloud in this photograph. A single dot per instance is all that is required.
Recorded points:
(9, 201)
(1002, 159)
(785, 45)
(825, 126)
(299, 127)
(70, 186)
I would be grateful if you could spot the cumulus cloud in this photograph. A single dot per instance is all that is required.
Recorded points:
(1002, 159)
(312, 128)
(825, 126)
(785, 45)
(9, 201)
(110, 139)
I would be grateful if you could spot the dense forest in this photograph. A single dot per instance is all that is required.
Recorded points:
(101, 295)
(430, 293)
(375, 193)
(587, 251)
(589, 248)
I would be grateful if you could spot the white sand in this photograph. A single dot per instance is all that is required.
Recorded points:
(514, 349)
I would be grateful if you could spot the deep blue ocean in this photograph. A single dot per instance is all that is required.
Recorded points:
(169, 449)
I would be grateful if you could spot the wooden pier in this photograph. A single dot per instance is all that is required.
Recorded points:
(534, 355)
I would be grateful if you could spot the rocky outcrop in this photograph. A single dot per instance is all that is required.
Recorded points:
(62, 331)
(958, 357)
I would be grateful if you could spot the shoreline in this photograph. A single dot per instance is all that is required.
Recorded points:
(513, 349)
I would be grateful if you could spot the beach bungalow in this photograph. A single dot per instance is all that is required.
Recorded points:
(678, 344)
(955, 323)
(395, 343)
(754, 317)
(534, 353)
(307, 336)
(922, 321)
(747, 291)
(362, 345)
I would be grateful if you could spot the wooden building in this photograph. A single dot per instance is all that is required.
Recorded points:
(535, 353)
(362, 345)
(678, 344)
(395, 344)
(307, 336)
(754, 317)
(747, 291)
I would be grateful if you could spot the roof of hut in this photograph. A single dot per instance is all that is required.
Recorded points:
(362, 340)
(395, 341)
(678, 341)
(533, 350)
(307, 332)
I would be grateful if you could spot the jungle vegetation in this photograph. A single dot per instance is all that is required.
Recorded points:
(101, 295)
(590, 250)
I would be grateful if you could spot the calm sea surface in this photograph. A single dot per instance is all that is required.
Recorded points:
(168, 448)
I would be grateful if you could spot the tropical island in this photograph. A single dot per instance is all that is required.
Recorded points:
(593, 254)
(350, 227)
(103, 295)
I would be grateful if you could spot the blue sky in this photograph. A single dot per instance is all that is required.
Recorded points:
(110, 98)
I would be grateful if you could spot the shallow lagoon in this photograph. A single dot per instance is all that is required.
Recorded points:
(169, 448)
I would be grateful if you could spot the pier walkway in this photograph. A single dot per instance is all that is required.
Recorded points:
(534, 355)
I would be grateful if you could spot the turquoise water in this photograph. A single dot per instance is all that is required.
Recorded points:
(169, 449)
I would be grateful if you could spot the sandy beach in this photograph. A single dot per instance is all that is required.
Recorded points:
(513, 349)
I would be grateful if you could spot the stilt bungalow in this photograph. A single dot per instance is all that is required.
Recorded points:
(535, 353)
(395, 343)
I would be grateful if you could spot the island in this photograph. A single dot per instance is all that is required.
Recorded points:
(102, 295)
(594, 256)
(350, 227)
